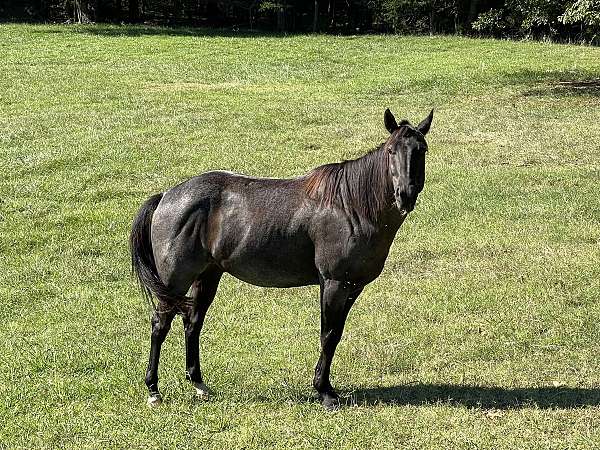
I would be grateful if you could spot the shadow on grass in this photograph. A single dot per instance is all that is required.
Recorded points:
(540, 83)
(109, 30)
(568, 88)
(477, 396)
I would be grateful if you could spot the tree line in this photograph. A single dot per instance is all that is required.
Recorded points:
(574, 20)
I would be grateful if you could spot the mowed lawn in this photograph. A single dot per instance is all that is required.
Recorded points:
(483, 330)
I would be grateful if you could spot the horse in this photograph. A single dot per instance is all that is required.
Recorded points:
(331, 227)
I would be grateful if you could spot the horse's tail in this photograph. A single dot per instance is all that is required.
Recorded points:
(142, 258)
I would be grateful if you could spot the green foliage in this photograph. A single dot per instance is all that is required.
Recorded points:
(403, 15)
(482, 331)
(269, 5)
(490, 22)
(586, 12)
(537, 18)
(537, 14)
(417, 16)
(541, 18)
(554, 19)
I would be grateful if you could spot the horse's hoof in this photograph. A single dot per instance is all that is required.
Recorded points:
(154, 400)
(330, 402)
(202, 391)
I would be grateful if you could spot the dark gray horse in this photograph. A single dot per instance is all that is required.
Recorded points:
(332, 227)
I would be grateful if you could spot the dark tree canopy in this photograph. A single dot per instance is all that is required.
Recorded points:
(576, 20)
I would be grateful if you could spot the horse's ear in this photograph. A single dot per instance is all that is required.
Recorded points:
(423, 127)
(389, 120)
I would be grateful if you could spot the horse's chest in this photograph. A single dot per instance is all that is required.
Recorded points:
(355, 258)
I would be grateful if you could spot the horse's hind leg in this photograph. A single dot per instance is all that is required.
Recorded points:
(161, 324)
(203, 292)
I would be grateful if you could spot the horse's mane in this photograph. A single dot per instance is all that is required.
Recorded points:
(361, 185)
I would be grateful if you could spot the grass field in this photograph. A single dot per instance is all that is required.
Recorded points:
(483, 330)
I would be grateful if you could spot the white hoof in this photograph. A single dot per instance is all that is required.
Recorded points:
(202, 391)
(154, 400)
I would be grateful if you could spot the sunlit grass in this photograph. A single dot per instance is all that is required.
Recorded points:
(481, 332)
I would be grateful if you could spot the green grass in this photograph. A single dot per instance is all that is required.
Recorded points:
(483, 330)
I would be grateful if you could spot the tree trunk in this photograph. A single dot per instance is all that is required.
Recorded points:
(43, 9)
(134, 10)
(80, 11)
(281, 16)
(331, 12)
(431, 13)
(473, 11)
(316, 17)
(92, 9)
(176, 12)
(118, 10)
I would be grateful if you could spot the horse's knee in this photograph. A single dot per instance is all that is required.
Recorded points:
(159, 335)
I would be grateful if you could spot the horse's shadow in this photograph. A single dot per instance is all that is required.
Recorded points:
(549, 397)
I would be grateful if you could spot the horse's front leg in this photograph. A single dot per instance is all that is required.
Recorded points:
(337, 297)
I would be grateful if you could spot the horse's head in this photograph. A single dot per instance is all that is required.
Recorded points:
(407, 147)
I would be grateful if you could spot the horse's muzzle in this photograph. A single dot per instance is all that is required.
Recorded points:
(405, 202)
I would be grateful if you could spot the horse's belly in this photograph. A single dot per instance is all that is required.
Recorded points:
(275, 264)
(277, 279)
(271, 273)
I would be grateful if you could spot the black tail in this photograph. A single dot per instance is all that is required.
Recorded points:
(142, 257)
